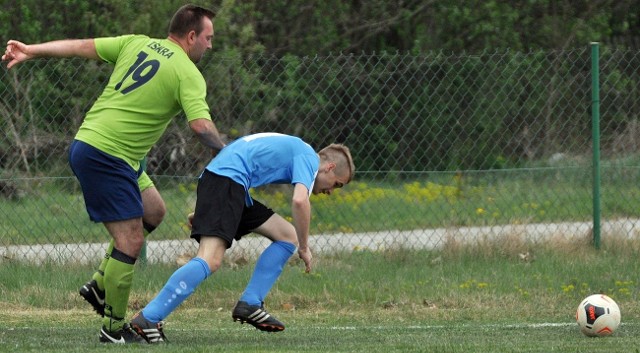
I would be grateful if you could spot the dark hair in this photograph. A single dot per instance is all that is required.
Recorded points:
(189, 18)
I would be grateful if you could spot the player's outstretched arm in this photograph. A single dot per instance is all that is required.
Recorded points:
(17, 52)
(301, 213)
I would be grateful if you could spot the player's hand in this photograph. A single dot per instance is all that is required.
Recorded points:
(15, 53)
(190, 220)
(305, 255)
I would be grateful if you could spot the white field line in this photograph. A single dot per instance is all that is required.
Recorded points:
(540, 325)
(166, 251)
(523, 326)
(434, 327)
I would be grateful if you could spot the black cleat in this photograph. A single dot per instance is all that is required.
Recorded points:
(125, 335)
(94, 296)
(256, 316)
(146, 329)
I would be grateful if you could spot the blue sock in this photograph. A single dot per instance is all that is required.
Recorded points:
(178, 288)
(267, 271)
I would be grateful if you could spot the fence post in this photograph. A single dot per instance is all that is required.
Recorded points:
(595, 127)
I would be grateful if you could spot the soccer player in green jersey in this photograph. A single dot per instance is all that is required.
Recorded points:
(152, 81)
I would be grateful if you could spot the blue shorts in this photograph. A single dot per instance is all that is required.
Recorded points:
(109, 184)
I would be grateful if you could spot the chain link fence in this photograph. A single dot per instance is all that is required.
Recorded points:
(448, 147)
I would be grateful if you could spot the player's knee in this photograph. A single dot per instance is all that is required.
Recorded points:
(155, 216)
(214, 264)
(278, 229)
(290, 236)
(161, 212)
(130, 245)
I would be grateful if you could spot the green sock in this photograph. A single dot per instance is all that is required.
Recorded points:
(118, 275)
(98, 276)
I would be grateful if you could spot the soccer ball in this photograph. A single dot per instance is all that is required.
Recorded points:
(598, 315)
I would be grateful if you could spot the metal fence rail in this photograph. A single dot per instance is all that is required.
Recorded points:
(448, 147)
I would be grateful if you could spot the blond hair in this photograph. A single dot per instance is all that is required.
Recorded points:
(341, 156)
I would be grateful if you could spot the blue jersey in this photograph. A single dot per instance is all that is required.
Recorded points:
(267, 158)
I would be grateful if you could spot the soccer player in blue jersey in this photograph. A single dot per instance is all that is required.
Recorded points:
(226, 211)
(152, 81)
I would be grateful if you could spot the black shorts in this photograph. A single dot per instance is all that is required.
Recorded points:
(221, 210)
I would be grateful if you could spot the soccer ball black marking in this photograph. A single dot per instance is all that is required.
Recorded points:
(598, 315)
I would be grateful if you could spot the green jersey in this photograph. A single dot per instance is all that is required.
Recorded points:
(153, 80)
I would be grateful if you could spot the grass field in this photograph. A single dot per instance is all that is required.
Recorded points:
(504, 296)
(501, 296)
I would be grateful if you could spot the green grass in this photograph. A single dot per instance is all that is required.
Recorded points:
(507, 296)
(488, 297)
